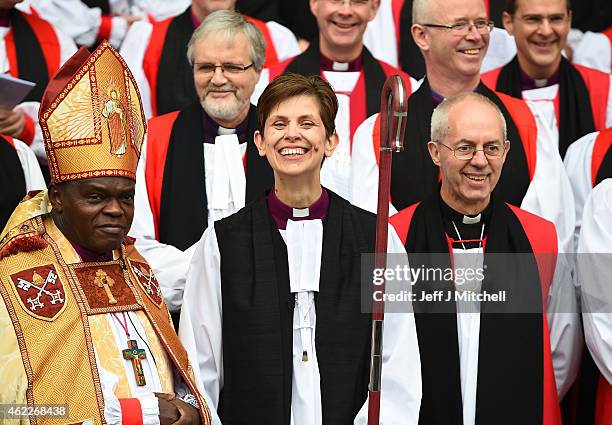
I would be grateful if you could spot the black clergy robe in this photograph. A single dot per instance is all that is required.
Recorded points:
(365, 97)
(515, 378)
(257, 316)
(12, 180)
(104, 5)
(33, 51)
(414, 176)
(175, 175)
(579, 112)
(601, 161)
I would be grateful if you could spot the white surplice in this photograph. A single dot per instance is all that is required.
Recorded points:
(34, 179)
(541, 103)
(592, 49)
(594, 267)
(549, 195)
(336, 169)
(578, 159)
(201, 332)
(225, 183)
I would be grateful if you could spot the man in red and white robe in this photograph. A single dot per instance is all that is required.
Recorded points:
(483, 359)
(200, 164)
(341, 58)
(157, 54)
(594, 254)
(568, 100)
(533, 176)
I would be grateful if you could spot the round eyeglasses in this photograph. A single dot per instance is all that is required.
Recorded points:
(467, 152)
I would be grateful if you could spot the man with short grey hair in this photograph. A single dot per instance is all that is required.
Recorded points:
(483, 359)
(156, 54)
(208, 141)
(454, 36)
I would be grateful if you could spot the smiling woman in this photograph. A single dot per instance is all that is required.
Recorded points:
(296, 116)
(309, 243)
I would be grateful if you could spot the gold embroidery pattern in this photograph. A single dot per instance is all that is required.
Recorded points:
(95, 126)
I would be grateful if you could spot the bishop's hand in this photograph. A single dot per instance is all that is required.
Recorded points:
(189, 415)
(173, 411)
(168, 412)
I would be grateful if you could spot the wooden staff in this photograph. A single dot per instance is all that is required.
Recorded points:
(393, 117)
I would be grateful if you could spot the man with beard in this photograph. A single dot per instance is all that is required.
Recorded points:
(568, 100)
(339, 56)
(156, 53)
(200, 163)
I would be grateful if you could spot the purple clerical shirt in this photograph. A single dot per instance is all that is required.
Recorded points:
(89, 256)
(282, 212)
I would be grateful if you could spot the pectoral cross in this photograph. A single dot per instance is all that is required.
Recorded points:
(105, 281)
(135, 354)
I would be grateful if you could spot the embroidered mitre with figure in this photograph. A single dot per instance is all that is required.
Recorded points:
(56, 310)
(92, 119)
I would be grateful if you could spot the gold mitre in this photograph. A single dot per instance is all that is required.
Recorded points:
(91, 118)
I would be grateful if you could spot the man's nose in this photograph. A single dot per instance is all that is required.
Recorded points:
(218, 77)
(479, 159)
(113, 207)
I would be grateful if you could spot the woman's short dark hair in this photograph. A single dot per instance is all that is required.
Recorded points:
(293, 85)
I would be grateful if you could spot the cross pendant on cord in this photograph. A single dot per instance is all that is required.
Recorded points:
(135, 354)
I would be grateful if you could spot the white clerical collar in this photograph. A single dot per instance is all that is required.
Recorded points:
(539, 83)
(222, 131)
(471, 220)
(301, 212)
(340, 66)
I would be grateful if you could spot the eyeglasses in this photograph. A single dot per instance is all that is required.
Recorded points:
(350, 2)
(226, 68)
(463, 28)
(467, 152)
(555, 20)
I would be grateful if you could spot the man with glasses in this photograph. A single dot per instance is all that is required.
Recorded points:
(533, 177)
(389, 38)
(156, 54)
(482, 361)
(200, 163)
(340, 57)
(568, 100)
(453, 37)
